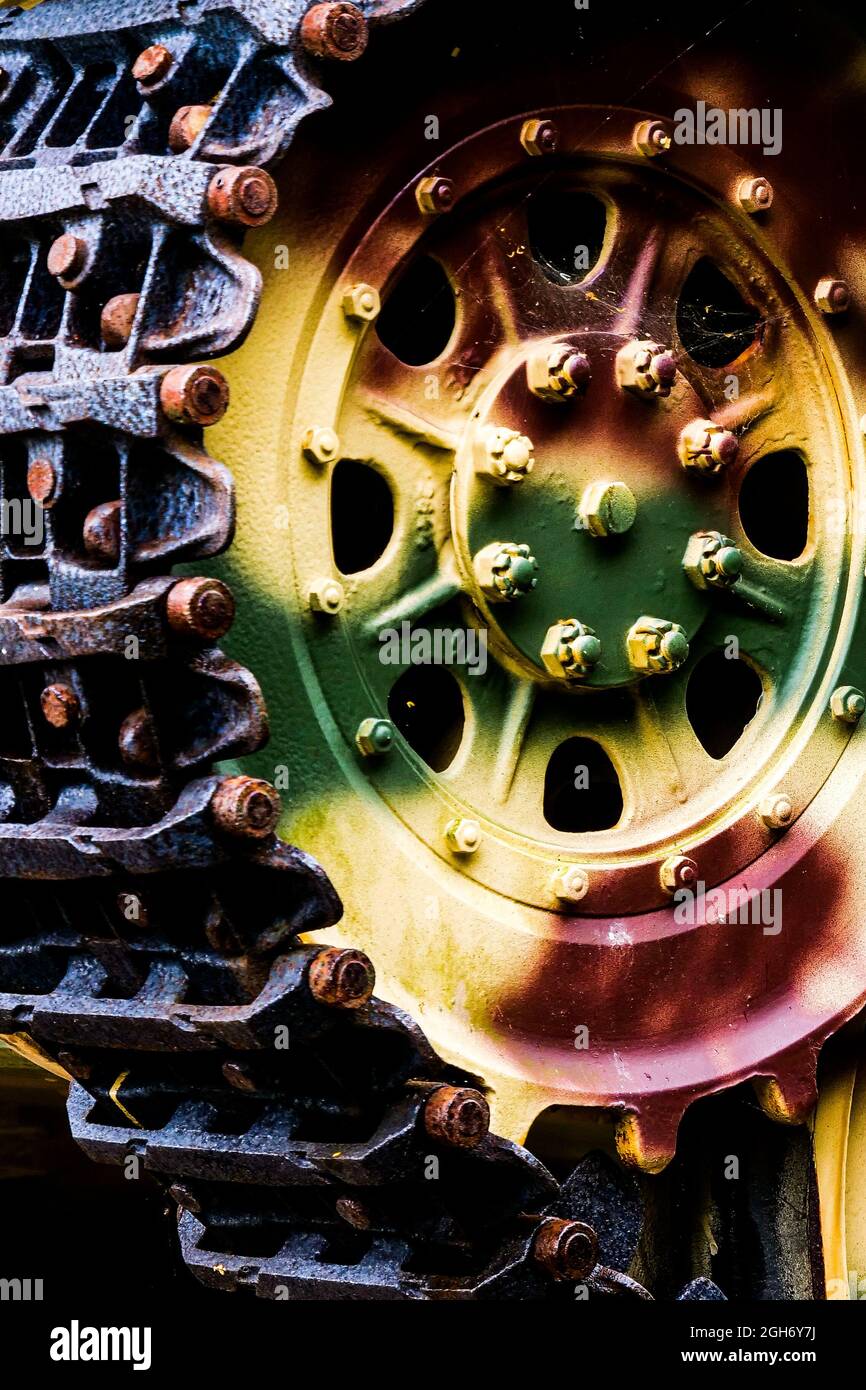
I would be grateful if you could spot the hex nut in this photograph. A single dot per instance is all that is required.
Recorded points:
(656, 646)
(341, 978)
(374, 737)
(539, 137)
(362, 303)
(457, 1115)
(712, 561)
(434, 195)
(832, 296)
(776, 811)
(194, 395)
(755, 194)
(677, 872)
(327, 596)
(242, 197)
(505, 571)
(462, 835)
(570, 650)
(200, 607)
(651, 138)
(706, 447)
(570, 884)
(607, 509)
(320, 444)
(503, 455)
(187, 124)
(645, 368)
(245, 807)
(335, 31)
(847, 704)
(557, 373)
(67, 258)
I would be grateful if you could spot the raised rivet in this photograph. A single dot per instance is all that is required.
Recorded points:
(42, 481)
(503, 455)
(327, 596)
(67, 257)
(570, 650)
(320, 444)
(607, 509)
(566, 1250)
(776, 811)
(847, 704)
(117, 318)
(651, 138)
(706, 447)
(338, 31)
(341, 977)
(570, 884)
(152, 66)
(374, 737)
(754, 194)
(137, 740)
(557, 373)
(678, 871)
(645, 368)
(246, 807)
(361, 302)
(656, 646)
(194, 395)
(505, 571)
(457, 1115)
(101, 532)
(200, 607)
(463, 836)
(832, 296)
(60, 705)
(434, 195)
(186, 126)
(244, 197)
(538, 137)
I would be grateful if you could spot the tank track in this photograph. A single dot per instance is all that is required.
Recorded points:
(315, 1144)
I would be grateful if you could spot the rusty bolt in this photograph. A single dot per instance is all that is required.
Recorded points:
(651, 138)
(200, 608)
(678, 871)
(336, 31)
(754, 194)
(151, 66)
(239, 1075)
(463, 836)
(646, 368)
(706, 447)
(186, 126)
(342, 978)
(67, 257)
(181, 1194)
(320, 444)
(656, 646)
(42, 481)
(434, 195)
(570, 650)
(194, 395)
(539, 137)
(60, 705)
(101, 532)
(245, 197)
(137, 740)
(607, 509)
(776, 811)
(457, 1115)
(712, 561)
(362, 303)
(327, 596)
(503, 455)
(505, 571)
(374, 737)
(354, 1213)
(832, 296)
(246, 807)
(847, 704)
(557, 373)
(570, 884)
(566, 1250)
(117, 318)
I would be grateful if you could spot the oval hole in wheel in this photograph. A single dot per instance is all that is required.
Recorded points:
(426, 705)
(362, 515)
(418, 314)
(566, 233)
(774, 505)
(722, 698)
(581, 788)
(714, 321)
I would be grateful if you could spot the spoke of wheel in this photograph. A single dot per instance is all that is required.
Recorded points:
(512, 736)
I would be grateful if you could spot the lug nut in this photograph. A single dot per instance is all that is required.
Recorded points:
(570, 884)
(101, 532)
(558, 373)
(42, 481)
(832, 296)
(566, 1250)
(505, 571)
(186, 126)
(712, 561)
(706, 448)
(200, 608)
(539, 137)
(457, 1115)
(503, 455)
(656, 646)
(362, 303)
(137, 740)
(374, 737)
(320, 444)
(194, 395)
(678, 871)
(117, 318)
(776, 811)
(847, 704)
(754, 194)
(434, 195)
(67, 257)
(646, 368)
(336, 31)
(343, 979)
(463, 836)
(570, 650)
(60, 705)
(607, 509)
(245, 197)
(151, 66)
(245, 807)
(327, 596)
(651, 138)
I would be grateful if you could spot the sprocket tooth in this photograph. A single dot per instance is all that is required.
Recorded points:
(790, 1093)
(647, 1139)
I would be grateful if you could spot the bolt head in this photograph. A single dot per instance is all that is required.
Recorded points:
(244, 197)
(832, 296)
(776, 811)
(656, 646)
(434, 195)
(712, 561)
(503, 455)
(645, 368)
(566, 1250)
(678, 871)
(463, 836)
(60, 705)
(200, 607)
(539, 137)
(374, 737)
(570, 884)
(186, 126)
(341, 978)
(245, 807)
(362, 303)
(321, 444)
(137, 741)
(338, 32)
(505, 571)
(117, 318)
(755, 194)
(607, 509)
(152, 66)
(651, 138)
(706, 447)
(42, 481)
(570, 650)
(194, 395)
(67, 257)
(457, 1115)
(557, 373)
(327, 596)
(848, 704)
(102, 532)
